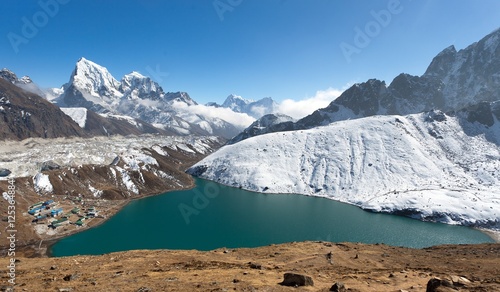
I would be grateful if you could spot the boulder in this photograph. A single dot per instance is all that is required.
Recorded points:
(293, 280)
(49, 165)
(437, 284)
(4, 172)
(338, 287)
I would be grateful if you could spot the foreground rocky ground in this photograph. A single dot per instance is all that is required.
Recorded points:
(359, 267)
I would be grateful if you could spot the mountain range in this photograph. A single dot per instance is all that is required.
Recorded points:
(453, 81)
(26, 114)
(425, 146)
(93, 94)
(252, 108)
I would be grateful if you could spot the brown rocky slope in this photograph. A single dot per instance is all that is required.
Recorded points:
(359, 267)
(105, 187)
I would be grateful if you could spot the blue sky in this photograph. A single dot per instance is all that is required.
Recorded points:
(286, 49)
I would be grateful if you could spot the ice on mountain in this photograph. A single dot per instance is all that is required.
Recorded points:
(42, 183)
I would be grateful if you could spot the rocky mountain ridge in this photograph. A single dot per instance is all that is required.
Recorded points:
(253, 108)
(92, 86)
(453, 81)
(28, 115)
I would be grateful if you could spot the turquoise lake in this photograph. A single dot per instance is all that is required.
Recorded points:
(211, 216)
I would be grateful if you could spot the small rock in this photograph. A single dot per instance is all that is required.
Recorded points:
(4, 172)
(49, 165)
(391, 275)
(144, 289)
(236, 281)
(52, 268)
(460, 281)
(338, 287)
(291, 279)
(65, 289)
(70, 277)
(256, 266)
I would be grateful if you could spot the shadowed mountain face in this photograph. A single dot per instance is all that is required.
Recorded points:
(25, 115)
(453, 81)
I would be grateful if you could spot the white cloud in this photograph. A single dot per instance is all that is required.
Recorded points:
(238, 119)
(301, 108)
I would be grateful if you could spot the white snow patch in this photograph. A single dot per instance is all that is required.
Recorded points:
(95, 192)
(42, 183)
(184, 147)
(78, 114)
(158, 149)
(127, 181)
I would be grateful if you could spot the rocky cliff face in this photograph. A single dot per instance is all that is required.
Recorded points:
(26, 115)
(453, 81)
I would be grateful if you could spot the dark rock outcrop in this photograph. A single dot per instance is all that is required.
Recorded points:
(293, 280)
(338, 287)
(4, 172)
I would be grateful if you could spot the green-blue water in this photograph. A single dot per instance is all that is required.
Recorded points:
(213, 216)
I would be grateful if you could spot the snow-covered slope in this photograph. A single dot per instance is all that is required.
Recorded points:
(78, 114)
(429, 166)
(266, 124)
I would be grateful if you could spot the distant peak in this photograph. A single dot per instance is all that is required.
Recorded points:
(25, 80)
(496, 31)
(135, 74)
(82, 60)
(234, 96)
(8, 75)
(451, 49)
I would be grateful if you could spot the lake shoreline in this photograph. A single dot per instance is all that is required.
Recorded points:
(49, 243)
(494, 234)
(242, 202)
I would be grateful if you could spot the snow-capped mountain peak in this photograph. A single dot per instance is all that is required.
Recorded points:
(95, 80)
(12, 77)
(137, 96)
(256, 109)
(137, 86)
(135, 74)
(236, 102)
